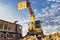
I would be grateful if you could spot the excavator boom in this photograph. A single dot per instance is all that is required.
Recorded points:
(31, 14)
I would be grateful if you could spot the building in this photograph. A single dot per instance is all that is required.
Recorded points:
(10, 30)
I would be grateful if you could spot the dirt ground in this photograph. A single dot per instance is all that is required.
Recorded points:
(55, 36)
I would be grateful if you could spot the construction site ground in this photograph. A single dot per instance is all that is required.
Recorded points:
(55, 36)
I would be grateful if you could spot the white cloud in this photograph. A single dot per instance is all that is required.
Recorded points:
(51, 0)
(51, 29)
(35, 11)
(50, 18)
(54, 0)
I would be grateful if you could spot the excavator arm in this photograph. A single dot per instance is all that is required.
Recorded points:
(31, 14)
(35, 25)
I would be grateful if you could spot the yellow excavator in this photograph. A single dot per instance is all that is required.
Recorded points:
(35, 28)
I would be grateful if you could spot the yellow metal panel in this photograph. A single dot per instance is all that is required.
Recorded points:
(33, 21)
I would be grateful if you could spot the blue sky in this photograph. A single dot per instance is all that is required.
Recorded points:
(47, 11)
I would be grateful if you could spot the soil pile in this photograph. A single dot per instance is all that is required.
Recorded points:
(55, 36)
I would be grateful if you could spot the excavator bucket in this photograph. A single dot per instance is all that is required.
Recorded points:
(22, 5)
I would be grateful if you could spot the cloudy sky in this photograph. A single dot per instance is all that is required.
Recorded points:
(48, 11)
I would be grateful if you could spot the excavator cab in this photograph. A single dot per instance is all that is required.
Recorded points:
(37, 30)
(38, 24)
